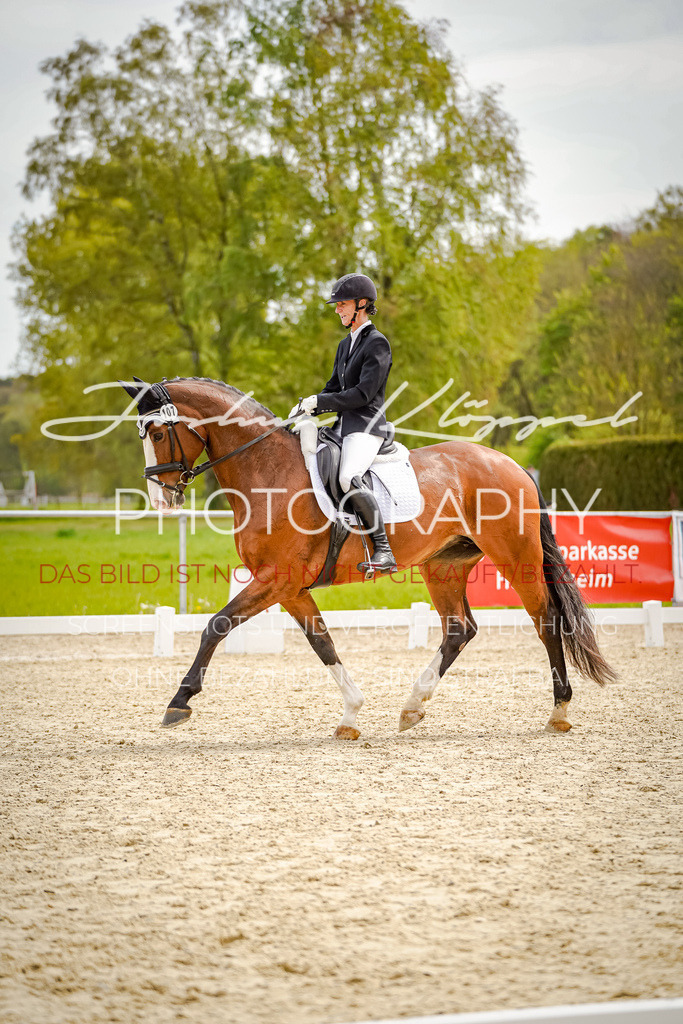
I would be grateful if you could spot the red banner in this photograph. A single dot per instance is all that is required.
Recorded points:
(615, 559)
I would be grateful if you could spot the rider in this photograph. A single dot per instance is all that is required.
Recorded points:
(355, 391)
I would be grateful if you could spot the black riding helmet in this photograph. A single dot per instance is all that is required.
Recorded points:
(353, 286)
(357, 287)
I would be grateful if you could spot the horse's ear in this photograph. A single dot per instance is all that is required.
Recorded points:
(131, 389)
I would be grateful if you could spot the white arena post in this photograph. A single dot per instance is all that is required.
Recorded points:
(264, 634)
(182, 560)
(654, 624)
(418, 630)
(234, 642)
(164, 632)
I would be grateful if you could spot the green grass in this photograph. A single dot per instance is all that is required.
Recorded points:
(88, 570)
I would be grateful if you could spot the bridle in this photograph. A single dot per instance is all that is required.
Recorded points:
(168, 415)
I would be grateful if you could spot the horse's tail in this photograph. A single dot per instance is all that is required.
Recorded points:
(576, 621)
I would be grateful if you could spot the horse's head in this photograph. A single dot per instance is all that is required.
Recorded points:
(170, 444)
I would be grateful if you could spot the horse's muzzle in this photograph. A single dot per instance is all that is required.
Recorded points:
(177, 500)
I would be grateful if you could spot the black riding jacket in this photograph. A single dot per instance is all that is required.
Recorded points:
(356, 389)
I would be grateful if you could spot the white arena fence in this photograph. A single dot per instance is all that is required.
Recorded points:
(636, 1011)
(265, 633)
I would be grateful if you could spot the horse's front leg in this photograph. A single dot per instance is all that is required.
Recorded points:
(305, 611)
(249, 602)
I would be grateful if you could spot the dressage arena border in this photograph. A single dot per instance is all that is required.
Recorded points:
(265, 633)
(640, 1011)
(645, 1011)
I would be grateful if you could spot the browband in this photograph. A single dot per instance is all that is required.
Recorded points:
(166, 414)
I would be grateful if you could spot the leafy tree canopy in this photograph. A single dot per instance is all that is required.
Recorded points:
(609, 325)
(207, 184)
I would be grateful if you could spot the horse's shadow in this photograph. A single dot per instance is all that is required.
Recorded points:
(370, 742)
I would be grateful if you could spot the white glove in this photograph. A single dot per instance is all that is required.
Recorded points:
(307, 406)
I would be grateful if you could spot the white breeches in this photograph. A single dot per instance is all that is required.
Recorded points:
(358, 454)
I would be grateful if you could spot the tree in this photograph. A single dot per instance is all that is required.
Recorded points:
(11, 415)
(418, 181)
(207, 185)
(167, 236)
(613, 327)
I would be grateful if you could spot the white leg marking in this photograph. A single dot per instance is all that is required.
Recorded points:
(425, 686)
(353, 698)
(558, 721)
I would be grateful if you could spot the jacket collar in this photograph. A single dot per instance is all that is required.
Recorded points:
(361, 337)
(358, 330)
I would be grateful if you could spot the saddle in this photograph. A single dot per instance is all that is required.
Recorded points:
(328, 457)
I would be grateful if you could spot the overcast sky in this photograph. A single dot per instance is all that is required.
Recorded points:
(595, 86)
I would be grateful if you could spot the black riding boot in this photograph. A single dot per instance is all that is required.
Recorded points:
(364, 504)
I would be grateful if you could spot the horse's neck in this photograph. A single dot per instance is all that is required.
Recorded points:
(236, 426)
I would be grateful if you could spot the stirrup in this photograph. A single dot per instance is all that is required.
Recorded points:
(371, 569)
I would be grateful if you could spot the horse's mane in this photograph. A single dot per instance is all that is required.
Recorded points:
(251, 407)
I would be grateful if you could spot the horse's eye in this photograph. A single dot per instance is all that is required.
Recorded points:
(158, 436)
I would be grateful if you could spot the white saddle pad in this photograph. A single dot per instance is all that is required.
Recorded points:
(394, 483)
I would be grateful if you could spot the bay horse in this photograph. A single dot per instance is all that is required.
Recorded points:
(476, 502)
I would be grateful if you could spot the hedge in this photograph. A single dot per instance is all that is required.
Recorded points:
(634, 473)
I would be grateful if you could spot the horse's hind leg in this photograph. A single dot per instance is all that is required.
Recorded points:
(550, 632)
(524, 570)
(307, 614)
(548, 622)
(457, 625)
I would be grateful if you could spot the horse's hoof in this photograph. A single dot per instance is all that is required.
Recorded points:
(558, 721)
(346, 732)
(175, 716)
(559, 725)
(410, 718)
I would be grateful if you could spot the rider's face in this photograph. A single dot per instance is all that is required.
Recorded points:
(346, 310)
